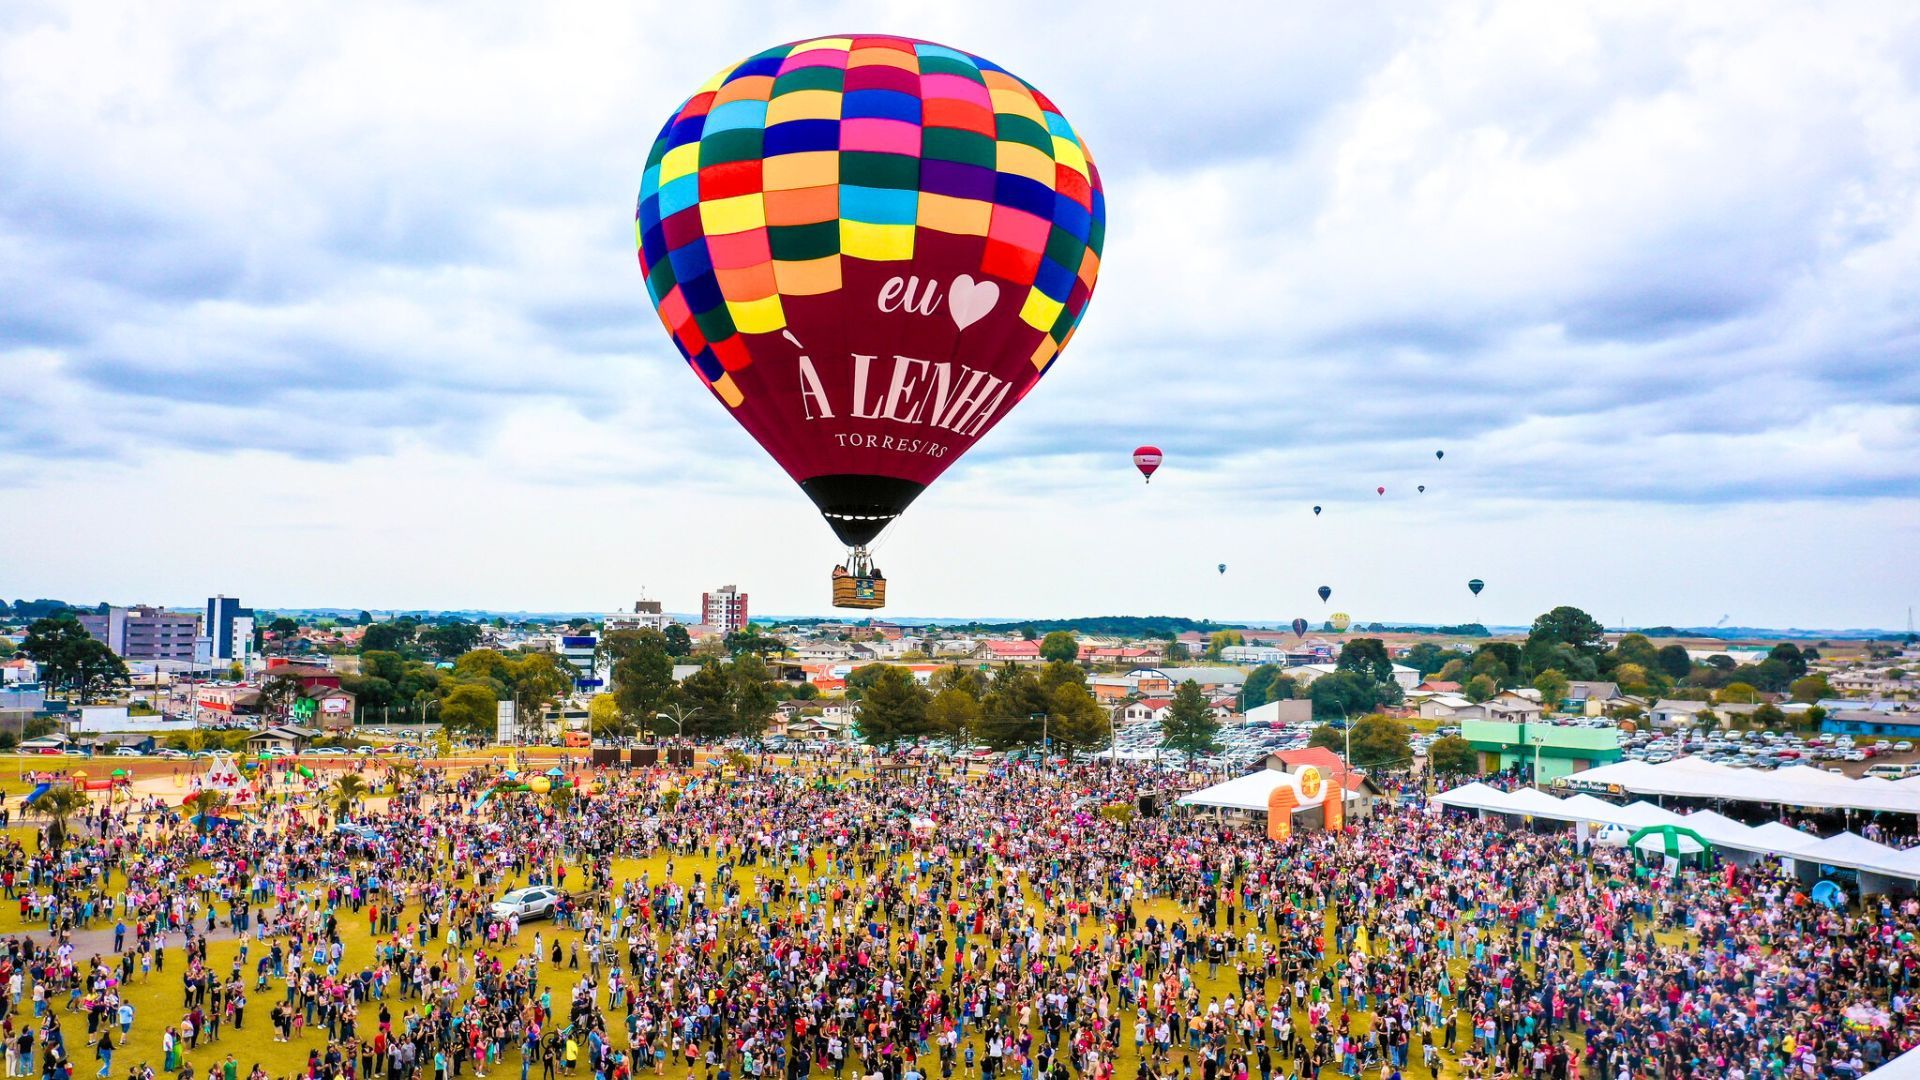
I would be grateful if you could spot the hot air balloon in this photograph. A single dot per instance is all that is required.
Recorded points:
(1438, 454)
(1223, 568)
(1475, 586)
(1379, 491)
(1324, 593)
(1340, 622)
(1423, 489)
(1146, 459)
(1316, 511)
(1299, 628)
(869, 249)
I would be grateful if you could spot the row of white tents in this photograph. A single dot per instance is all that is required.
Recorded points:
(1882, 869)
(1795, 785)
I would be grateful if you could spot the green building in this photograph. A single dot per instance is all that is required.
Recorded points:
(1560, 749)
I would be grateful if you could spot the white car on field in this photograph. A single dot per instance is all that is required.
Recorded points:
(532, 902)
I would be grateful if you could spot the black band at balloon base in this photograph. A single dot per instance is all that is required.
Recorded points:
(859, 507)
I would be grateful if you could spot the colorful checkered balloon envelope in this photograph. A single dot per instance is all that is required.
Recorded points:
(869, 248)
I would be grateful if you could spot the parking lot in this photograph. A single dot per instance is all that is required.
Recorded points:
(1764, 750)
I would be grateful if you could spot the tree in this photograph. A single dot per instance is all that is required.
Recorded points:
(954, 713)
(59, 804)
(278, 694)
(469, 707)
(894, 709)
(1810, 688)
(1568, 625)
(1428, 658)
(679, 643)
(863, 678)
(751, 640)
(1343, 693)
(708, 696)
(969, 679)
(346, 793)
(643, 680)
(751, 690)
(386, 637)
(1190, 725)
(1013, 709)
(604, 718)
(1737, 693)
(1222, 639)
(1452, 755)
(1789, 655)
(1075, 721)
(617, 645)
(1268, 682)
(204, 805)
(71, 659)
(1060, 645)
(1500, 661)
(1366, 655)
(1553, 686)
(449, 640)
(1674, 662)
(1634, 649)
(1633, 678)
(538, 681)
(1381, 742)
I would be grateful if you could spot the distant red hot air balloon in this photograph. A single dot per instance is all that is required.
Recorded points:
(1147, 460)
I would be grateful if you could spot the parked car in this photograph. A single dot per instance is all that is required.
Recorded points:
(532, 902)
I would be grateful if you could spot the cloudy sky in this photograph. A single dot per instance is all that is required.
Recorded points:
(336, 304)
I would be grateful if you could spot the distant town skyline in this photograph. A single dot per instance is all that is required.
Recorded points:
(342, 307)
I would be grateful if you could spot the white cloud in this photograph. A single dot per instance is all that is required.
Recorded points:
(1625, 262)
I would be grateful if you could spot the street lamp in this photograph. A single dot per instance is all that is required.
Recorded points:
(680, 715)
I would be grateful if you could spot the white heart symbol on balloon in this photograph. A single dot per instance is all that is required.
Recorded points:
(968, 301)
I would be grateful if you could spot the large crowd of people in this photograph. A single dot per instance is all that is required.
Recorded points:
(779, 922)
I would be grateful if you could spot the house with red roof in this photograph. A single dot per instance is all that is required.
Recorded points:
(1014, 650)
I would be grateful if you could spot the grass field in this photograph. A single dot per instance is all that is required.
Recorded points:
(157, 1001)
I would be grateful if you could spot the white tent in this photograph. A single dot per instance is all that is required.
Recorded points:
(1717, 828)
(1536, 803)
(1590, 809)
(1782, 839)
(1796, 785)
(1249, 792)
(1639, 815)
(1853, 852)
(1476, 796)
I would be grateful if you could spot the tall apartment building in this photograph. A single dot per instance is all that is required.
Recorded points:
(145, 633)
(229, 628)
(724, 609)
